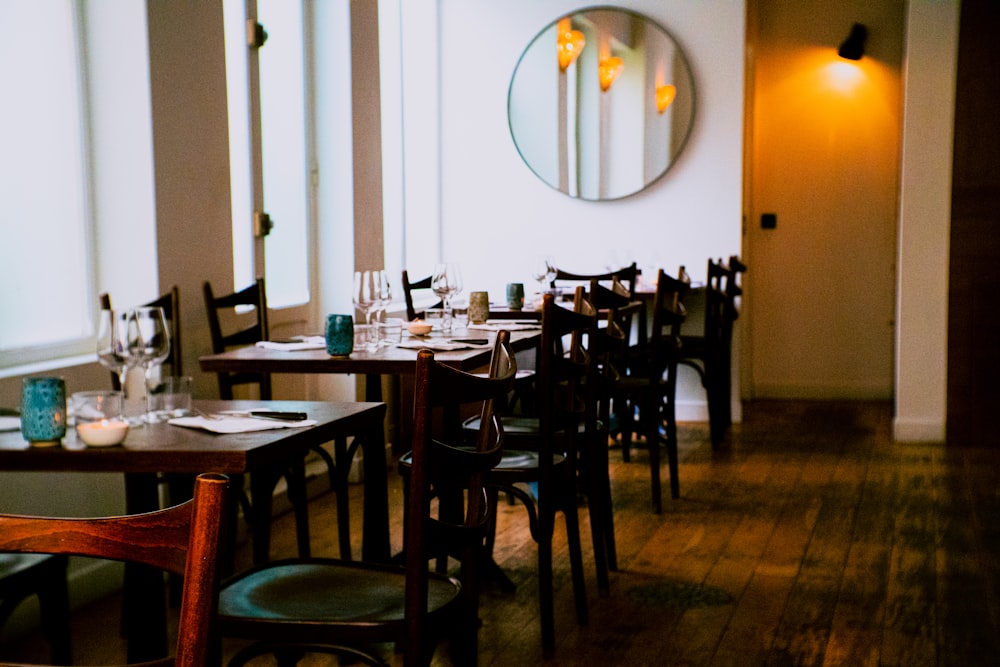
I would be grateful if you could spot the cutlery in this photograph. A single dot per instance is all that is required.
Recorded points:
(266, 414)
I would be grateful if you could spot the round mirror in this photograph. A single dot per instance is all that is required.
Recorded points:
(601, 103)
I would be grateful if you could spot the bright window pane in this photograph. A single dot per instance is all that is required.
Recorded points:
(45, 248)
(282, 110)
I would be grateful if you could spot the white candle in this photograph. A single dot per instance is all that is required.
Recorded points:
(103, 433)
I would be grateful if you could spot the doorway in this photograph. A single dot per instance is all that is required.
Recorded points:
(823, 140)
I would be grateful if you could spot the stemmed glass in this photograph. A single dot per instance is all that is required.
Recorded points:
(153, 346)
(446, 282)
(114, 350)
(544, 272)
(385, 299)
(368, 286)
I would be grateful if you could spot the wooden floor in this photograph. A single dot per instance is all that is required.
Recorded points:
(810, 539)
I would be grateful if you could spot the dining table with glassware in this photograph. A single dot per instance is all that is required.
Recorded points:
(217, 445)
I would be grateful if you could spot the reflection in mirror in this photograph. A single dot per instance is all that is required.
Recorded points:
(601, 103)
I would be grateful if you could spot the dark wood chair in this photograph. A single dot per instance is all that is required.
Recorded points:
(247, 328)
(408, 288)
(705, 351)
(23, 575)
(185, 539)
(291, 607)
(627, 276)
(618, 313)
(651, 382)
(542, 451)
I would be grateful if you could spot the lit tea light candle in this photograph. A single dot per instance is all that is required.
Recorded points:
(102, 433)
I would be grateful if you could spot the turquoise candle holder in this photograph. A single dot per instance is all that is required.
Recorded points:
(339, 335)
(43, 410)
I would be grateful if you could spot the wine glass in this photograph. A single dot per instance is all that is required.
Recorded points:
(367, 296)
(446, 282)
(113, 349)
(544, 272)
(153, 342)
(385, 300)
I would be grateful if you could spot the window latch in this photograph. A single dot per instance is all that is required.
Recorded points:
(262, 224)
(256, 35)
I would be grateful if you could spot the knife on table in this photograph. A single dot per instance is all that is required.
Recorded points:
(268, 414)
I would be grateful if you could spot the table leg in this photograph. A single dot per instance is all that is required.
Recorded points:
(144, 612)
(375, 528)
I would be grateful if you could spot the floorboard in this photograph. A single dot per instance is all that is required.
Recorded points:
(808, 539)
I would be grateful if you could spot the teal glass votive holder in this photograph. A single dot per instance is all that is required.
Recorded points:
(43, 410)
(339, 335)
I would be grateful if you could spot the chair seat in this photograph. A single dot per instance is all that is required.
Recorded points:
(278, 601)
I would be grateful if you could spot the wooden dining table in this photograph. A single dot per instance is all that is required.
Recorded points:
(164, 448)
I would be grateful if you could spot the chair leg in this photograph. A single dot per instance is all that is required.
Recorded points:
(576, 563)
(295, 478)
(651, 420)
(53, 604)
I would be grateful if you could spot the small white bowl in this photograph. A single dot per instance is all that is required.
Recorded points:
(104, 433)
(419, 327)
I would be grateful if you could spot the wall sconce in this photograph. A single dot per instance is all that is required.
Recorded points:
(608, 70)
(569, 44)
(664, 96)
(854, 46)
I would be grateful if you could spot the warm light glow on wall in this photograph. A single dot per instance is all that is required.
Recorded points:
(843, 75)
(664, 96)
(569, 43)
(608, 70)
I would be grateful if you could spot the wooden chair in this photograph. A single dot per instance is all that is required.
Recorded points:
(651, 383)
(185, 539)
(332, 606)
(627, 275)
(23, 575)
(408, 288)
(248, 330)
(704, 352)
(542, 450)
(618, 312)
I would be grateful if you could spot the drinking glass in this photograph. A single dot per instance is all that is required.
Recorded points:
(367, 296)
(446, 282)
(544, 272)
(154, 346)
(113, 349)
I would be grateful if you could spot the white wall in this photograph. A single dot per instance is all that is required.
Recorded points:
(468, 192)
(925, 214)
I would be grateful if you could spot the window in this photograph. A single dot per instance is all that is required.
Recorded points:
(43, 180)
(282, 95)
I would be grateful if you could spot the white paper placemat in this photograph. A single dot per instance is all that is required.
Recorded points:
(295, 343)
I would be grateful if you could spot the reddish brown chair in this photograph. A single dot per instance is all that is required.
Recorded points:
(185, 539)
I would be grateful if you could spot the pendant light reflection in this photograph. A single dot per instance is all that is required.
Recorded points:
(664, 96)
(569, 44)
(608, 70)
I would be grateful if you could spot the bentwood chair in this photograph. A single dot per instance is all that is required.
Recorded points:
(542, 451)
(627, 276)
(184, 539)
(651, 383)
(408, 288)
(23, 575)
(292, 607)
(705, 351)
(230, 328)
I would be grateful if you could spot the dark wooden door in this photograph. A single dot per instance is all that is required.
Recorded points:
(974, 287)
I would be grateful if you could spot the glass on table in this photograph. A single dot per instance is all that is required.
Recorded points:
(390, 332)
(117, 346)
(446, 282)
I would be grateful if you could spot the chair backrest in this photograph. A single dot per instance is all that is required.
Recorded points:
(185, 539)
(408, 287)
(249, 329)
(627, 275)
(668, 316)
(440, 468)
(170, 302)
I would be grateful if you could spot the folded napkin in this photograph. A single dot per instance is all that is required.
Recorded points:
(508, 326)
(237, 424)
(10, 424)
(441, 345)
(295, 343)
